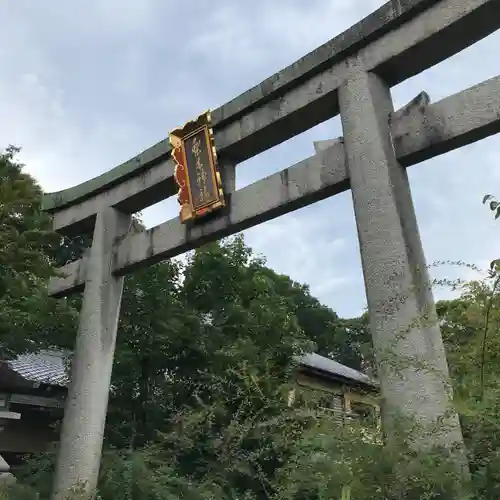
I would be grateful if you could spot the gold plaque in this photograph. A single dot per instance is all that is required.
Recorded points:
(196, 173)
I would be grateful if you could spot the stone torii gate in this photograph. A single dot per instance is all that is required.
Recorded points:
(352, 75)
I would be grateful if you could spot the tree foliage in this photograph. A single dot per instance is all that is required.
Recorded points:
(28, 317)
(205, 358)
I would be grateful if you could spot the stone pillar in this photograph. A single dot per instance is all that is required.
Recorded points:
(4, 466)
(5, 476)
(408, 346)
(227, 170)
(86, 406)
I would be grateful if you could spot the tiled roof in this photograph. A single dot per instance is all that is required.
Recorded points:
(46, 367)
(330, 366)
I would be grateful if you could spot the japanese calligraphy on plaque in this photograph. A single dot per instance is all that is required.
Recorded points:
(196, 173)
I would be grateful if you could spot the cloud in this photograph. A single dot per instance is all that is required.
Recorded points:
(85, 86)
(299, 233)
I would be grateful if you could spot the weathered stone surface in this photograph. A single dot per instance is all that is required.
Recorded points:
(305, 93)
(129, 197)
(399, 54)
(86, 405)
(386, 18)
(399, 40)
(419, 133)
(428, 131)
(409, 350)
(308, 181)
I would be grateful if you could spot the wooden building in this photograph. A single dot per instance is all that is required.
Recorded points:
(32, 392)
(33, 389)
(342, 391)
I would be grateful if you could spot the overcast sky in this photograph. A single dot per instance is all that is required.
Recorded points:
(85, 86)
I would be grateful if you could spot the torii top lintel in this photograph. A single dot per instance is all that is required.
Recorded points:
(365, 31)
(399, 40)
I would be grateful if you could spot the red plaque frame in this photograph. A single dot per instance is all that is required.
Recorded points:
(196, 172)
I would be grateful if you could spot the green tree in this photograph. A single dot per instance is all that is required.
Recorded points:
(353, 345)
(234, 426)
(203, 365)
(155, 328)
(28, 317)
(470, 326)
(348, 341)
(467, 332)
